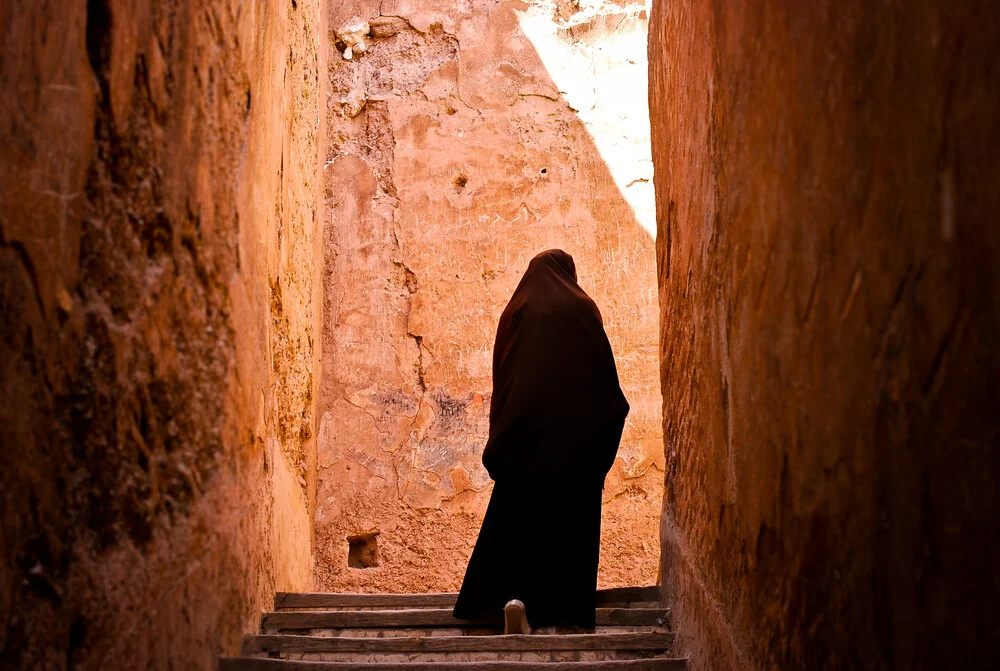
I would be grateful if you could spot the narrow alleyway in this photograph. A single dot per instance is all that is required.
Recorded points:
(252, 256)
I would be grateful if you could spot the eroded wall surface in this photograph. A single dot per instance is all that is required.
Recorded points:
(465, 138)
(827, 190)
(160, 302)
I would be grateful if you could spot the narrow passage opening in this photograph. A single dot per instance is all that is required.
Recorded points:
(459, 147)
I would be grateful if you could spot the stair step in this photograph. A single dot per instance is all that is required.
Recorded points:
(387, 632)
(291, 600)
(265, 664)
(660, 641)
(435, 617)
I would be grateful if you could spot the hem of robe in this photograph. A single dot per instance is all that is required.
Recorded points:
(540, 543)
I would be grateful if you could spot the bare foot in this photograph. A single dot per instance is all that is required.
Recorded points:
(515, 621)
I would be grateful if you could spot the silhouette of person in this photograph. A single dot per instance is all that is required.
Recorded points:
(556, 418)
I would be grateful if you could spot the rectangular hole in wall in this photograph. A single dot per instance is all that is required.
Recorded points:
(362, 550)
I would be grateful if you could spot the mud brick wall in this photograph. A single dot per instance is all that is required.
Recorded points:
(159, 286)
(464, 140)
(827, 193)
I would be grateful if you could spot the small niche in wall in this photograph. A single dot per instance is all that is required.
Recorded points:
(362, 550)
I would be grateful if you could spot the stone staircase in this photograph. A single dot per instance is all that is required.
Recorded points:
(388, 632)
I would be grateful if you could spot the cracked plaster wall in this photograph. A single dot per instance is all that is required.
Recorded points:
(459, 149)
(159, 292)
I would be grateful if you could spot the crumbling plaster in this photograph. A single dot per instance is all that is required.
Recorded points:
(159, 219)
(455, 156)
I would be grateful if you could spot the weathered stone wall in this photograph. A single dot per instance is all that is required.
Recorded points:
(159, 292)
(827, 195)
(465, 138)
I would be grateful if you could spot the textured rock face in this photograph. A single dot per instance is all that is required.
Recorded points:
(827, 188)
(159, 292)
(464, 140)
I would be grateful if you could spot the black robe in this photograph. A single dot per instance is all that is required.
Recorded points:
(556, 419)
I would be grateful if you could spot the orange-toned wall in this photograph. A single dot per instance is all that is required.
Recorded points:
(467, 138)
(827, 194)
(159, 290)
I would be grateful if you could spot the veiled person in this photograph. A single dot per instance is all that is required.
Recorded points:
(556, 419)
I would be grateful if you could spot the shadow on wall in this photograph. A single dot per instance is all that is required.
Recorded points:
(828, 189)
(454, 158)
(156, 329)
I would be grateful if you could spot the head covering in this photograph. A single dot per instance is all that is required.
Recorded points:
(557, 410)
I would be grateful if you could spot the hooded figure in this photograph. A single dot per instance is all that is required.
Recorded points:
(556, 418)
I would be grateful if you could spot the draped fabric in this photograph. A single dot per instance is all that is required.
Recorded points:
(539, 543)
(557, 409)
(556, 419)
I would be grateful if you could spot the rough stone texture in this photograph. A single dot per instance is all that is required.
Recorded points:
(463, 141)
(827, 192)
(159, 290)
